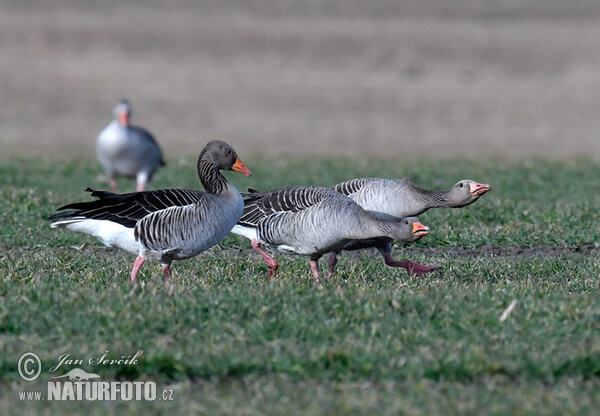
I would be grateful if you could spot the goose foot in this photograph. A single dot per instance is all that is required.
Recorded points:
(272, 270)
(134, 289)
(169, 289)
(167, 279)
(331, 266)
(272, 265)
(314, 267)
(137, 265)
(411, 267)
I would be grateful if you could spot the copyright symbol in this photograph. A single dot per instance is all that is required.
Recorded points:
(30, 366)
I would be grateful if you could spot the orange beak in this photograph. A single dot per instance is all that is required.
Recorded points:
(238, 166)
(419, 230)
(124, 118)
(478, 189)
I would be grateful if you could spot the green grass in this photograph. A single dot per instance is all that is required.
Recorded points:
(371, 341)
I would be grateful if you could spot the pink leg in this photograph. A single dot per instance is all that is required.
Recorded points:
(272, 265)
(113, 184)
(167, 278)
(332, 262)
(314, 267)
(136, 267)
(140, 186)
(166, 274)
(410, 266)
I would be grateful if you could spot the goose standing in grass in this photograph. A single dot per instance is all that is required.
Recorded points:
(396, 199)
(126, 150)
(168, 224)
(313, 221)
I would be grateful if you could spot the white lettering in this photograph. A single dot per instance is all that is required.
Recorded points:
(96, 391)
(126, 391)
(150, 391)
(68, 391)
(97, 360)
(91, 392)
(63, 359)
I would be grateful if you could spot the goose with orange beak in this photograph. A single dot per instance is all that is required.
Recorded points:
(400, 198)
(312, 221)
(127, 151)
(167, 224)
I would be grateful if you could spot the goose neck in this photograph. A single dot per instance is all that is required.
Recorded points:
(212, 179)
(433, 199)
(372, 227)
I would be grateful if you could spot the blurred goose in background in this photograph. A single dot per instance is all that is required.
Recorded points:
(313, 221)
(168, 224)
(396, 199)
(126, 150)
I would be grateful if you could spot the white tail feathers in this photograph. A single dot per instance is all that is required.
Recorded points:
(109, 233)
(64, 223)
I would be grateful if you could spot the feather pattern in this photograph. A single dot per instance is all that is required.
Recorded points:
(311, 220)
(401, 198)
(128, 209)
(167, 224)
(396, 199)
(258, 205)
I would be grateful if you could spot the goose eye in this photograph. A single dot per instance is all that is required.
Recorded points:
(229, 151)
(406, 222)
(461, 184)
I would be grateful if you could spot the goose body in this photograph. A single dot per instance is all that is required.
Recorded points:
(395, 199)
(313, 221)
(168, 224)
(401, 198)
(126, 150)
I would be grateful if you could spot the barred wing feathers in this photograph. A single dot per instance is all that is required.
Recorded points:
(128, 209)
(260, 205)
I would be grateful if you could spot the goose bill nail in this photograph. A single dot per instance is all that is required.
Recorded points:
(419, 229)
(238, 166)
(479, 188)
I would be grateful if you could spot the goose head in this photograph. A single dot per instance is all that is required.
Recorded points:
(410, 229)
(223, 157)
(122, 112)
(466, 192)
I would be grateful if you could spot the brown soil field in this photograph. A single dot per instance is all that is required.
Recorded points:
(425, 78)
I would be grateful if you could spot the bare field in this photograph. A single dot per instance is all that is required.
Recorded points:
(414, 79)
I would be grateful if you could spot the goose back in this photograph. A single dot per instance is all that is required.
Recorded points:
(399, 198)
(165, 224)
(128, 209)
(307, 220)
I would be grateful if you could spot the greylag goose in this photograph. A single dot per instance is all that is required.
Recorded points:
(168, 224)
(399, 198)
(126, 150)
(312, 221)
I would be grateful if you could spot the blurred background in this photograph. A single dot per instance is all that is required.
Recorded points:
(420, 78)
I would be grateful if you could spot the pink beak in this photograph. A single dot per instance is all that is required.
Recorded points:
(124, 118)
(478, 189)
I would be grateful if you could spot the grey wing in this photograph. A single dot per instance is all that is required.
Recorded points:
(362, 185)
(146, 137)
(352, 186)
(167, 229)
(259, 206)
(184, 231)
(128, 209)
